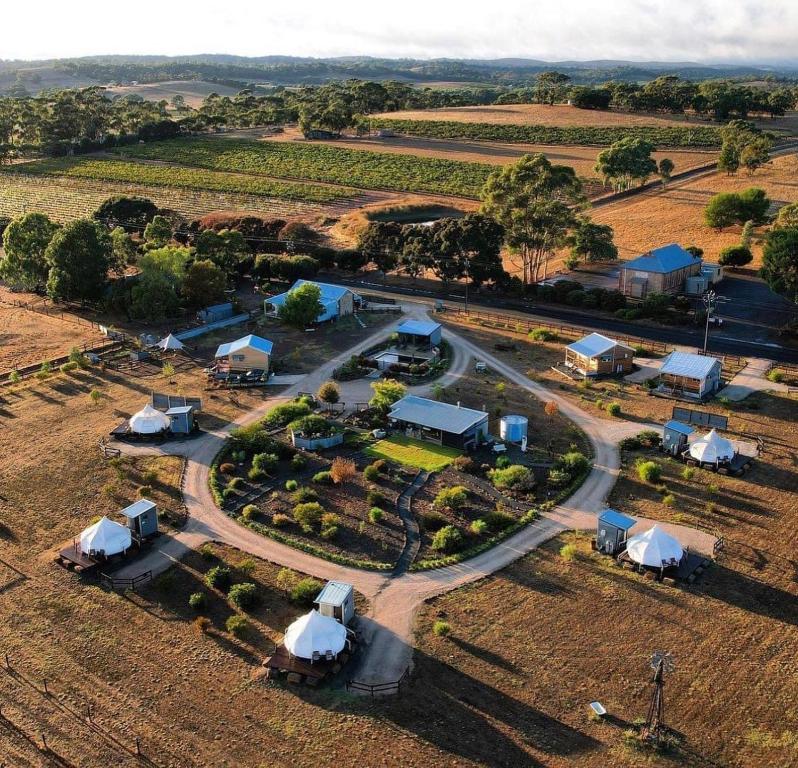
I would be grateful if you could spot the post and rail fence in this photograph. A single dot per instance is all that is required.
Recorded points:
(374, 689)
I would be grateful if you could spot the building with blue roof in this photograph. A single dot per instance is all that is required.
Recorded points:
(442, 423)
(249, 353)
(419, 333)
(687, 374)
(663, 270)
(598, 355)
(612, 530)
(336, 300)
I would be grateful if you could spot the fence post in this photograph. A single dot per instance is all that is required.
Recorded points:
(138, 747)
(46, 692)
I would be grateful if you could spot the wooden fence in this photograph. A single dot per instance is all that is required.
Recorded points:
(124, 583)
(46, 307)
(30, 370)
(375, 689)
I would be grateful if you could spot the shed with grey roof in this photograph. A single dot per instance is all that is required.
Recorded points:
(422, 334)
(337, 600)
(441, 423)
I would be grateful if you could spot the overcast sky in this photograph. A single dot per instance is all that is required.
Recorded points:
(665, 30)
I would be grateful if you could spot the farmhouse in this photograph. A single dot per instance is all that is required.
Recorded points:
(689, 375)
(451, 425)
(336, 300)
(597, 355)
(663, 270)
(249, 353)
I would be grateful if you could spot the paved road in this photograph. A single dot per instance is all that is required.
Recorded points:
(388, 629)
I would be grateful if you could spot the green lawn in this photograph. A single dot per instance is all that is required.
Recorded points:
(414, 453)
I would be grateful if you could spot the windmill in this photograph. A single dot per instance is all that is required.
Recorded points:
(661, 662)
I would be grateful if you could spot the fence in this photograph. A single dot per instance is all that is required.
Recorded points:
(373, 689)
(30, 370)
(46, 307)
(123, 583)
(108, 451)
(521, 325)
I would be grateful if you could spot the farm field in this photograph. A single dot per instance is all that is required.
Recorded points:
(193, 91)
(320, 163)
(675, 214)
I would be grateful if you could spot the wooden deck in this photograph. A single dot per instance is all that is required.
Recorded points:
(72, 558)
(689, 569)
(301, 670)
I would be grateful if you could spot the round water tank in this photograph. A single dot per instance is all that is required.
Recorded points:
(513, 428)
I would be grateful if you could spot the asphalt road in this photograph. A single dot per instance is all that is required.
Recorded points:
(721, 341)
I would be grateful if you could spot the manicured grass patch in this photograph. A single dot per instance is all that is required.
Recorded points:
(414, 453)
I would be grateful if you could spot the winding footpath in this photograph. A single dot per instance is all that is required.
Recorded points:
(395, 598)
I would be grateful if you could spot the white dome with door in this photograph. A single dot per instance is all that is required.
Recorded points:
(654, 548)
(712, 449)
(105, 537)
(149, 421)
(315, 635)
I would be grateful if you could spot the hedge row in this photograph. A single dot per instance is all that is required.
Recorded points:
(598, 136)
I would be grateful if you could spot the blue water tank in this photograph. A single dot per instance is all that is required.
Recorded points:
(512, 429)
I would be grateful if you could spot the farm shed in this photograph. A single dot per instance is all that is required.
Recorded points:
(689, 375)
(337, 600)
(422, 334)
(105, 538)
(182, 419)
(142, 518)
(249, 353)
(336, 300)
(663, 270)
(597, 355)
(612, 530)
(451, 425)
(675, 436)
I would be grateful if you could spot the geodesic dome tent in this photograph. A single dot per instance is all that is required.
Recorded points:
(149, 421)
(315, 634)
(712, 449)
(654, 548)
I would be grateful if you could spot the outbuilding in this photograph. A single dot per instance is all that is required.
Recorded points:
(422, 334)
(249, 353)
(315, 637)
(441, 423)
(689, 375)
(336, 300)
(612, 531)
(597, 355)
(142, 519)
(182, 419)
(662, 270)
(337, 600)
(675, 436)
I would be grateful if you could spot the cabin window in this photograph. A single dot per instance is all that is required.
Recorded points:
(238, 358)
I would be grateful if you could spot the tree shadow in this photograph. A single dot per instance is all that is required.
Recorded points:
(490, 657)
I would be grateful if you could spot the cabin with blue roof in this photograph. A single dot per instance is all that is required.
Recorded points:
(422, 334)
(336, 300)
(249, 353)
(612, 530)
(663, 270)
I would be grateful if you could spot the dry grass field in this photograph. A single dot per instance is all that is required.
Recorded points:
(676, 213)
(193, 91)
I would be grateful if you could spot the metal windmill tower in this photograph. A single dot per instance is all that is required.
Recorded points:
(661, 662)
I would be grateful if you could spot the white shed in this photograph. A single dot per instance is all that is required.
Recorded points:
(337, 600)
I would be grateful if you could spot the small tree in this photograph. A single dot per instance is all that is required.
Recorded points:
(158, 232)
(722, 211)
(386, 393)
(551, 408)
(204, 284)
(665, 170)
(302, 306)
(735, 256)
(329, 392)
(342, 470)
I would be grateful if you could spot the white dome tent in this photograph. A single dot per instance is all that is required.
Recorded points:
(106, 538)
(712, 449)
(313, 635)
(149, 421)
(170, 343)
(654, 548)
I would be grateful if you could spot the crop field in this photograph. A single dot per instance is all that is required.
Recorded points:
(676, 213)
(313, 162)
(70, 197)
(164, 175)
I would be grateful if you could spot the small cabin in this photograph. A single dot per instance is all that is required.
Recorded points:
(597, 355)
(142, 518)
(422, 334)
(337, 600)
(612, 531)
(686, 374)
(250, 353)
(675, 436)
(182, 419)
(451, 425)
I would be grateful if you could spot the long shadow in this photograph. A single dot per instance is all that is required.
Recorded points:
(486, 655)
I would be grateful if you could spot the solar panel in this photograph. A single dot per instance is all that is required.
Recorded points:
(700, 418)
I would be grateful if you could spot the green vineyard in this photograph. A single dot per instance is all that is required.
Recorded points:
(312, 162)
(599, 136)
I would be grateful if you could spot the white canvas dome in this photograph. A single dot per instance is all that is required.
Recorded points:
(654, 548)
(105, 536)
(170, 342)
(314, 633)
(149, 421)
(712, 448)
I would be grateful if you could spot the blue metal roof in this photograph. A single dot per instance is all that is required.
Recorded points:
(419, 327)
(594, 344)
(689, 365)
(328, 290)
(256, 342)
(678, 426)
(666, 259)
(611, 517)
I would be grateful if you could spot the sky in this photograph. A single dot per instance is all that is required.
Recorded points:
(715, 31)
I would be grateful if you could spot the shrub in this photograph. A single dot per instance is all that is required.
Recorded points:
(649, 471)
(375, 515)
(280, 520)
(145, 491)
(568, 552)
(243, 595)
(67, 367)
(478, 527)
(237, 625)
(432, 521)
(95, 396)
(311, 426)
(247, 566)
(498, 520)
(235, 483)
(447, 539)
(342, 470)
(298, 462)
(735, 256)
(202, 624)
(218, 577)
(371, 473)
(775, 376)
(302, 494)
(614, 409)
(265, 462)
(206, 552)
(441, 628)
(464, 464)
(250, 512)
(304, 592)
(197, 601)
(451, 498)
(551, 408)
(542, 334)
(573, 462)
(668, 499)
(329, 519)
(308, 515)
(688, 473)
(502, 462)
(227, 468)
(329, 392)
(256, 475)
(515, 477)
(712, 488)
(282, 415)
(323, 478)
(375, 498)
(330, 532)
(291, 485)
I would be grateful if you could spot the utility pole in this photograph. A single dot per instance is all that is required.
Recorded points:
(709, 302)
(468, 280)
(661, 662)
